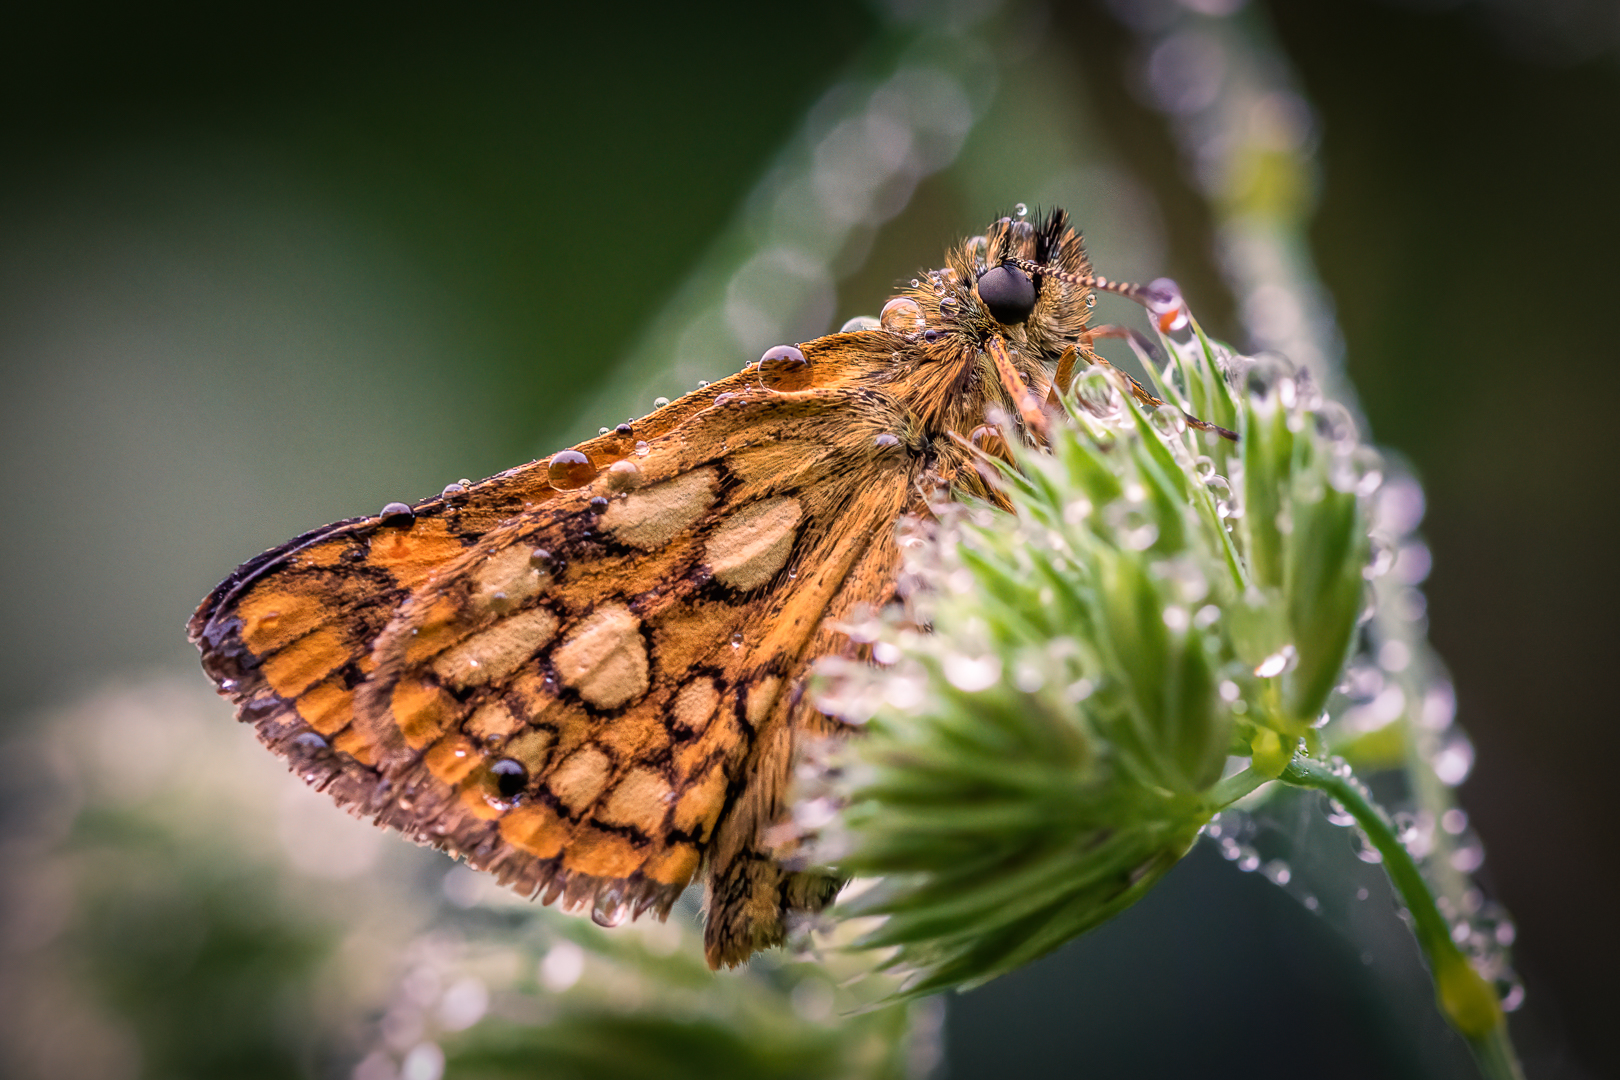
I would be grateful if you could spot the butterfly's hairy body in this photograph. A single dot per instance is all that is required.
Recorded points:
(595, 691)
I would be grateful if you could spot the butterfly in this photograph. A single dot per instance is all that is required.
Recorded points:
(587, 675)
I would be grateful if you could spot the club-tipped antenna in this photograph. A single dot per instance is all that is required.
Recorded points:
(1161, 296)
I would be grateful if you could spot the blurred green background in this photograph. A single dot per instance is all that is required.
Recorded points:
(263, 270)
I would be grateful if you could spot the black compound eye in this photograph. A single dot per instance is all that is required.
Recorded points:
(511, 778)
(1008, 293)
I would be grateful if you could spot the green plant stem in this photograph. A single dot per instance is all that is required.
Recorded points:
(1236, 786)
(1468, 1002)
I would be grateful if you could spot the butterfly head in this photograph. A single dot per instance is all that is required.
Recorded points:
(1029, 283)
(990, 327)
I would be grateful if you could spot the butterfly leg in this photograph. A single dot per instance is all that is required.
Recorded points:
(1028, 404)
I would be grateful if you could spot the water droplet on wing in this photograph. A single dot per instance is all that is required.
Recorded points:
(902, 315)
(785, 368)
(570, 469)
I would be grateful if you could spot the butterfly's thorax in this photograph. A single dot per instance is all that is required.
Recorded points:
(588, 674)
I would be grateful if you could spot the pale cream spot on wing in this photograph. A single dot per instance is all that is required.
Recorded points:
(700, 805)
(533, 748)
(491, 722)
(754, 543)
(604, 658)
(497, 652)
(580, 778)
(507, 579)
(761, 698)
(695, 703)
(649, 519)
(640, 799)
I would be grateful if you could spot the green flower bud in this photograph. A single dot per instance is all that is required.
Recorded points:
(1157, 601)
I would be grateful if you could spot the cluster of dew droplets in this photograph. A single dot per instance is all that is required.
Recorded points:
(1236, 835)
(1380, 686)
(435, 996)
(1393, 679)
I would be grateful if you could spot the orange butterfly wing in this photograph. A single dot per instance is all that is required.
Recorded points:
(588, 691)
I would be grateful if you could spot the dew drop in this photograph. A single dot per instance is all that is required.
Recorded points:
(397, 513)
(1137, 530)
(625, 430)
(1020, 211)
(1394, 655)
(1338, 429)
(1162, 297)
(915, 283)
(609, 910)
(949, 308)
(599, 504)
(641, 449)
(562, 967)
(1278, 662)
(1513, 1000)
(511, 778)
(1365, 851)
(570, 469)
(1367, 466)
(1454, 760)
(1091, 300)
(452, 491)
(1469, 856)
(624, 476)
(724, 399)
(902, 315)
(860, 323)
(1278, 872)
(1271, 380)
(1098, 395)
(542, 559)
(971, 674)
(737, 640)
(310, 740)
(785, 368)
(886, 441)
(931, 336)
(1338, 815)
(660, 402)
(1023, 237)
(603, 431)
(1170, 421)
